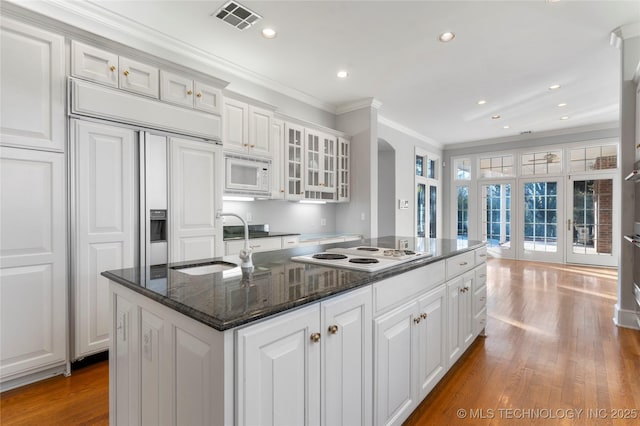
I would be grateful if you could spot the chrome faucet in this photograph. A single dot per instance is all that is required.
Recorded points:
(245, 253)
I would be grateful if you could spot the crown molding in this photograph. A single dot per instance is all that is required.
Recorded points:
(356, 105)
(91, 17)
(407, 131)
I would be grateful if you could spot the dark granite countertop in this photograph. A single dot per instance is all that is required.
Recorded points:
(255, 231)
(228, 299)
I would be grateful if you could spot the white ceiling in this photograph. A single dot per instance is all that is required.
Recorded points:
(506, 52)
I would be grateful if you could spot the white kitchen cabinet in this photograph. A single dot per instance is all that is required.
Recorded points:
(290, 241)
(138, 77)
(257, 245)
(94, 64)
(320, 165)
(344, 170)
(32, 83)
(310, 366)
(104, 238)
(294, 161)
(247, 128)
(480, 299)
(176, 89)
(208, 98)
(431, 342)
(278, 370)
(33, 263)
(278, 163)
(195, 176)
(460, 319)
(165, 368)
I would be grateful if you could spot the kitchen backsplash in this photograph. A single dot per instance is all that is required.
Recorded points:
(284, 216)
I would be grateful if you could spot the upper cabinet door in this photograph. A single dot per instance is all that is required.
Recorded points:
(208, 98)
(260, 131)
(32, 82)
(94, 64)
(236, 126)
(138, 77)
(176, 89)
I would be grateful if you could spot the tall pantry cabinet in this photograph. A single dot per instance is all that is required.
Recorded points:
(33, 206)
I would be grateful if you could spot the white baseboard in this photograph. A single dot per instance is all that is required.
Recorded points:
(625, 318)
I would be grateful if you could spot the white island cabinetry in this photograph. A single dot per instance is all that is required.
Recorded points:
(364, 356)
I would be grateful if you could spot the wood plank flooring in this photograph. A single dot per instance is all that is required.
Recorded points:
(552, 349)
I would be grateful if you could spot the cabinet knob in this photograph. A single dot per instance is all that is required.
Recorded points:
(424, 315)
(199, 95)
(112, 68)
(463, 263)
(189, 92)
(333, 329)
(417, 320)
(252, 146)
(245, 144)
(315, 337)
(282, 190)
(126, 73)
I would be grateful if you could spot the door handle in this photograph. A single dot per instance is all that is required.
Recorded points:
(568, 224)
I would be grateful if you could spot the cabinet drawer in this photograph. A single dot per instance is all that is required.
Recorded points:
(480, 278)
(480, 321)
(396, 290)
(460, 263)
(138, 77)
(208, 98)
(481, 255)
(257, 244)
(290, 241)
(479, 300)
(176, 89)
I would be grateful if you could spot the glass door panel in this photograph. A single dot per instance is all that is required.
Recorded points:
(590, 228)
(496, 217)
(421, 210)
(541, 222)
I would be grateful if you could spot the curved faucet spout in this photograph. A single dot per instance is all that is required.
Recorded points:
(245, 254)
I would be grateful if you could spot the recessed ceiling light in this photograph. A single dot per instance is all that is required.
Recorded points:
(269, 33)
(565, 117)
(342, 74)
(446, 36)
(482, 102)
(506, 127)
(495, 117)
(560, 105)
(554, 87)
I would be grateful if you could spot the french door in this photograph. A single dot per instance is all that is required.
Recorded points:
(541, 232)
(591, 221)
(496, 220)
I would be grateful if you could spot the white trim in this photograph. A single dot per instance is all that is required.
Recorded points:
(407, 131)
(625, 318)
(356, 105)
(628, 31)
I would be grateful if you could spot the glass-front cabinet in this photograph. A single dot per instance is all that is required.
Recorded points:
(344, 171)
(320, 166)
(294, 157)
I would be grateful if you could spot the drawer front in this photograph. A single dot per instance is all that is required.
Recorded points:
(460, 263)
(291, 241)
(480, 321)
(138, 77)
(94, 64)
(481, 255)
(480, 278)
(399, 289)
(256, 244)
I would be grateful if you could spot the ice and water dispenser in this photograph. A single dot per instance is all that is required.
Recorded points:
(158, 236)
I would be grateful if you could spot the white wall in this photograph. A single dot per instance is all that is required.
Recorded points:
(360, 215)
(387, 203)
(283, 216)
(404, 146)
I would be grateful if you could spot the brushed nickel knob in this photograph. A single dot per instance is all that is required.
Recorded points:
(333, 329)
(417, 320)
(423, 315)
(315, 337)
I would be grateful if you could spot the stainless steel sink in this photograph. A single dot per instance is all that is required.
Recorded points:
(205, 268)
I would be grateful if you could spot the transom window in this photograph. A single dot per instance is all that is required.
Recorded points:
(593, 158)
(498, 166)
(462, 167)
(541, 163)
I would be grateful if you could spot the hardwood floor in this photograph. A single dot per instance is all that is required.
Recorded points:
(552, 349)
(551, 345)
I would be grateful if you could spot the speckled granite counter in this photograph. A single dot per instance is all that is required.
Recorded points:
(224, 300)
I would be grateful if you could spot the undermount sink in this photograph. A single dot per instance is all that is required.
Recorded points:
(205, 268)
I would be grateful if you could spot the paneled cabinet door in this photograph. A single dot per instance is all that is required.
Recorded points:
(208, 98)
(347, 359)
(176, 89)
(95, 64)
(278, 371)
(344, 169)
(236, 126)
(394, 369)
(260, 131)
(195, 194)
(105, 217)
(32, 84)
(33, 284)
(432, 358)
(277, 171)
(460, 318)
(138, 77)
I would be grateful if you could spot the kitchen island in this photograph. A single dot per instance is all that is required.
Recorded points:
(290, 342)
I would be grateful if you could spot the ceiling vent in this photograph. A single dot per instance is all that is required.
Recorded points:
(236, 15)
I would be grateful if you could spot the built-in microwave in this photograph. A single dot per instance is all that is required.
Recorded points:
(247, 175)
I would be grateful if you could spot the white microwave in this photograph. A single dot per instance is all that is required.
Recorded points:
(247, 175)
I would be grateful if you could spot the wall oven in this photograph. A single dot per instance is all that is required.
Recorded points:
(247, 175)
